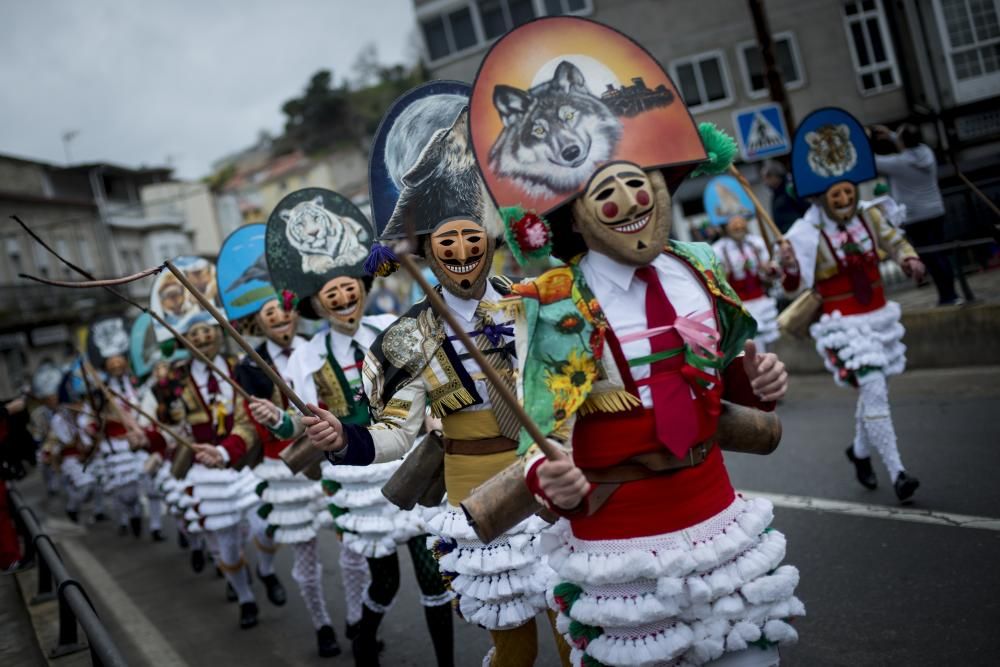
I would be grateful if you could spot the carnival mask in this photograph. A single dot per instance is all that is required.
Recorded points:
(277, 324)
(736, 228)
(116, 366)
(840, 201)
(461, 252)
(625, 213)
(172, 297)
(342, 302)
(207, 338)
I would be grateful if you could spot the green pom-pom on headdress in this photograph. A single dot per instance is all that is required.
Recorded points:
(881, 189)
(168, 347)
(721, 149)
(528, 236)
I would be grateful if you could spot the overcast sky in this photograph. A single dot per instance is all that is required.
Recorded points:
(144, 81)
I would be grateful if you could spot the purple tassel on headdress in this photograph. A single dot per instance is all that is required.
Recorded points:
(381, 261)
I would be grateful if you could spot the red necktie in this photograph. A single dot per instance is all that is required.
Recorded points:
(673, 405)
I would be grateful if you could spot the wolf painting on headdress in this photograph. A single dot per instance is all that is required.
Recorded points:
(554, 134)
(324, 239)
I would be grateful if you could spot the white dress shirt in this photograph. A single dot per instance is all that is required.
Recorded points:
(200, 374)
(623, 299)
(735, 256)
(279, 360)
(464, 311)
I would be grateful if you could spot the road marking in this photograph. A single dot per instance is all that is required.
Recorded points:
(144, 636)
(878, 511)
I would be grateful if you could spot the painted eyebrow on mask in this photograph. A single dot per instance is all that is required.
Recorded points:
(620, 174)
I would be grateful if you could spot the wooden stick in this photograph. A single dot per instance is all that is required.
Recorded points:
(106, 390)
(508, 397)
(86, 284)
(195, 352)
(979, 193)
(292, 397)
(762, 213)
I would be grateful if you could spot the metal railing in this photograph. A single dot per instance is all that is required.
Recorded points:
(54, 582)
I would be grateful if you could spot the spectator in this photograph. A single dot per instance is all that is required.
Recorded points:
(785, 207)
(912, 173)
(16, 448)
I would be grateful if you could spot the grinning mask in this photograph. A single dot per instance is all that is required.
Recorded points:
(460, 253)
(116, 366)
(277, 324)
(342, 302)
(206, 337)
(625, 213)
(840, 202)
(736, 228)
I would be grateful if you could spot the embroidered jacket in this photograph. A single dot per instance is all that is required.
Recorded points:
(566, 368)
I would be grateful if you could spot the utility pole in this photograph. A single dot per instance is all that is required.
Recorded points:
(772, 74)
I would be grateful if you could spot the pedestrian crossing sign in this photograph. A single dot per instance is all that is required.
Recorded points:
(761, 132)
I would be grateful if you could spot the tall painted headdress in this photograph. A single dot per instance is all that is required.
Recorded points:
(171, 301)
(725, 198)
(422, 171)
(830, 146)
(243, 280)
(313, 236)
(46, 379)
(558, 98)
(107, 338)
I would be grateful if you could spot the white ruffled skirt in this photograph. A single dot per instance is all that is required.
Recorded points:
(369, 524)
(853, 345)
(765, 311)
(216, 498)
(120, 467)
(678, 599)
(74, 474)
(500, 585)
(289, 502)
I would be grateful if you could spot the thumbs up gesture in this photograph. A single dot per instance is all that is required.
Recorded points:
(766, 372)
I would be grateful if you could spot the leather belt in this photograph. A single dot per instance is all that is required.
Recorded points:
(479, 447)
(648, 465)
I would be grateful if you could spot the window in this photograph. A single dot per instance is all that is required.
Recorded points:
(41, 260)
(970, 30)
(703, 81)
(871, 47)
(62, 247)
(786, 54)
(449, 33)
(475, 23)
(14, 257)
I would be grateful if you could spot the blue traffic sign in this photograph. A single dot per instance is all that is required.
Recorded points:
(761, 132)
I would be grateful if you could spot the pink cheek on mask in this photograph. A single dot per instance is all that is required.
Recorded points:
(610, 209)
(642, 197)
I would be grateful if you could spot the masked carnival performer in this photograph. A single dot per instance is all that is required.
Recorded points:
(837, 246)
(45, 394)
(317, 246)
(287, 513)
(625, 355)
(425, 182)
(72, 446)
(745, 256)
(122, 441)
(214, 500)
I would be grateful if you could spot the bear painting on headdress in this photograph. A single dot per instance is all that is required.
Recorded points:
(554, 134)
(324, 239)
(831, 152)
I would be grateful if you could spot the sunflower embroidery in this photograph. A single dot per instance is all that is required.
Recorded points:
(571, 380)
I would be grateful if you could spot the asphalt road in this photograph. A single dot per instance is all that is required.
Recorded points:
(916, 587)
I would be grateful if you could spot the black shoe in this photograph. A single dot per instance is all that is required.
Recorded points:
(122, 531)
(905, 485)
(197, 560)
(182, 541)
(352, 630)
(135, 523)
(863, 469)
(248, 615)
(73, 516)
(156, 536)
(100, 516)
(275, 591)
(326, 642)
(230, 593)
(365, 654)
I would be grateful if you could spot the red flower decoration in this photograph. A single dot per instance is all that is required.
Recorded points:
(531, 233)
(288, 300)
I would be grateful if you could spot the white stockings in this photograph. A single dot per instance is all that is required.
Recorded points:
(874, 429)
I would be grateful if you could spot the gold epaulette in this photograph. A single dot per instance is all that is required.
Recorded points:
(617, 400)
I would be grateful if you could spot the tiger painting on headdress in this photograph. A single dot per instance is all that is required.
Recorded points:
(324, 239)
(831, 152)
